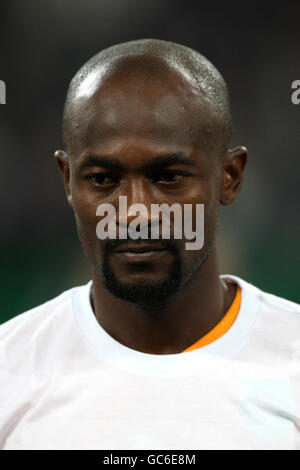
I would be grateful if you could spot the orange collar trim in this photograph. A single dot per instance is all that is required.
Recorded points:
(222, 327)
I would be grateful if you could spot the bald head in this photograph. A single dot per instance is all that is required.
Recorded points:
(149, 63)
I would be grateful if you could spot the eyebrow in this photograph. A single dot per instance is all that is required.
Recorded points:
(104, 162)
(114, 164)
(170, 159)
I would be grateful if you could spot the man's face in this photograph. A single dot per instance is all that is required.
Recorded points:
(148, 141)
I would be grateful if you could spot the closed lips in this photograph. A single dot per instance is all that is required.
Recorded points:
(139, 248)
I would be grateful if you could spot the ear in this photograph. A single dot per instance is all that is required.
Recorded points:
(63, 163)
(232, 173)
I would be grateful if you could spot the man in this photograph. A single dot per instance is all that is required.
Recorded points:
(158, 350)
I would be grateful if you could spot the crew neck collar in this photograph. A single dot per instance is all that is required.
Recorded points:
(107, 348)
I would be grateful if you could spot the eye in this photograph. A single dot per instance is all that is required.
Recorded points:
(102, 179)
(168, 177)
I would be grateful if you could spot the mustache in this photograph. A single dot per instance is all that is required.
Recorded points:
(121, 244)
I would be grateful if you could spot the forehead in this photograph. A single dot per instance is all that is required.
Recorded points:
(154, 105)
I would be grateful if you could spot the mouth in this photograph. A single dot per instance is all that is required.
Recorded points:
(138, 252)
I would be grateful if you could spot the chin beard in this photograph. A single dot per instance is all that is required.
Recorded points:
(148, 295)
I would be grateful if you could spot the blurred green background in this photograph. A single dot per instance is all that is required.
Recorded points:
(43, 44)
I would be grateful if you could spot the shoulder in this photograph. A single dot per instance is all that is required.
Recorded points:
(275, 317)
(35, 315)
(283, 316)
(37, 328)
(273, 302)
(268, 301)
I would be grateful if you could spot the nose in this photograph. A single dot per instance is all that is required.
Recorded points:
(135, 202)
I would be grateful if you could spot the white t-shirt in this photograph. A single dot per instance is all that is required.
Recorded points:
(67, 384)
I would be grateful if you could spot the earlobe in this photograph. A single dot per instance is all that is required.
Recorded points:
(232, 174)
(70, 200)
(62, 160)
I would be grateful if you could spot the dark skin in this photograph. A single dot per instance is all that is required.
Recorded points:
(130, 128)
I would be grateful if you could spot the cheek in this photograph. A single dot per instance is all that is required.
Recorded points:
(207, 194)
(204, 221)
(85, 206)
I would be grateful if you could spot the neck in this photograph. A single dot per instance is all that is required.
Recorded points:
(174, 327)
